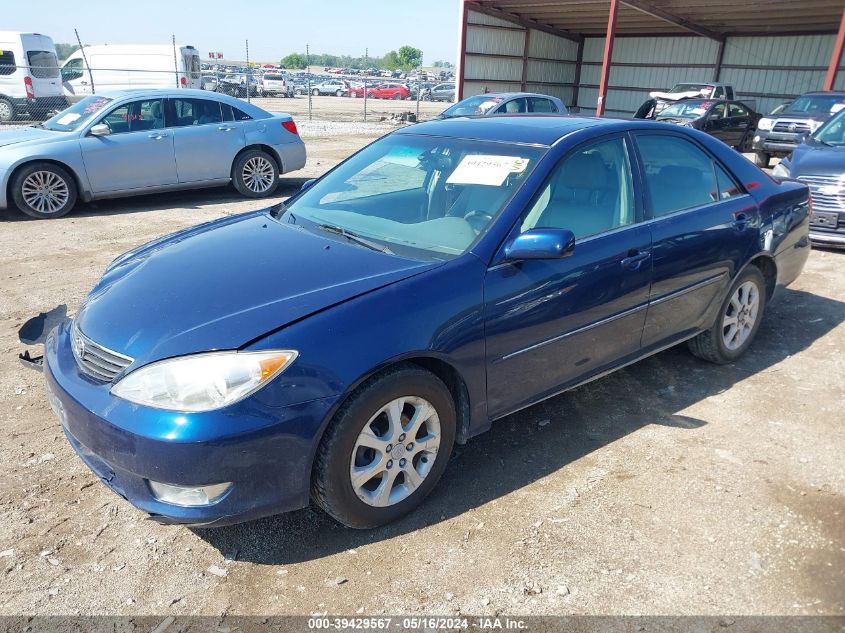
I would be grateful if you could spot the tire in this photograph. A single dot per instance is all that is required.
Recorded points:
(255, 174)
(397, 97)
(315, 92)
(762, 159)
(59, 184)
(744, 144)
(711, 345)
(7, 110)
(339, 93)
(340, 452)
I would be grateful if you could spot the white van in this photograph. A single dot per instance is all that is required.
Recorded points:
(29, 76)
(122, 66)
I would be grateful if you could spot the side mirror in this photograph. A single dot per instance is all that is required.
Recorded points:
(101, 129)
(541, 244)
(307, 184)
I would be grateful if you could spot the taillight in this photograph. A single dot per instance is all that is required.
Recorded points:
(290, 126)
(184, 82)
(30, 92)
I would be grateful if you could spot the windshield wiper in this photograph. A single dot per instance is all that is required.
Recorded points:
(354, 237)
(825, 143)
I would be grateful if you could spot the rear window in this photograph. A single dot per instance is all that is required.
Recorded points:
(43, 64)
(7, 62)
(274, 77)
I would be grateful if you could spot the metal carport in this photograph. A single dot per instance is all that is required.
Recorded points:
(608, 54)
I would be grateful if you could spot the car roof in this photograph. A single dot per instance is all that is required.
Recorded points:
(821, 93)
(544, 129)
(510, 95)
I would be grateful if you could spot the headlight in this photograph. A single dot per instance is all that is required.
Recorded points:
(765, 124)
(780, 171)
(202, 382)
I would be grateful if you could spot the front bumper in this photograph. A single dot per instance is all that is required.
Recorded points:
(775, 143)
(264, 451)
(827, 238)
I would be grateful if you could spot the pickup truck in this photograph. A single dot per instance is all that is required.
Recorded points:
(689, 90)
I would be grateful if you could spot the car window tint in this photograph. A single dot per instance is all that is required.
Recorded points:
(718, 111)
(227, 112)
(678, 174)
(589, 192)
(727, 187)
(195, 112)
(734, 109)
(135, 116)
(240, 115)
(514, 106)
(536, 104)
(43, 64)
(7, 62)
(72, 70)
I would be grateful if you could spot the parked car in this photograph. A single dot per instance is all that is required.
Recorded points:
(443, 92)
(209, 81)
(131, 142)
(780, 134)
(332, 87)
(424, 88)
(239, 84)
(443, 277)
(275, 85)
(505, 103)
(380, 91)
(30, 82)
(729, 121)
(819, 161)
(130, 66)
(658, 101)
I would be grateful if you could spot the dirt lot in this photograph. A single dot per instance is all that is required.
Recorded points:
(671, 487)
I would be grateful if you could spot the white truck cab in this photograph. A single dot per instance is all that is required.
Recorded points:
(30, 83)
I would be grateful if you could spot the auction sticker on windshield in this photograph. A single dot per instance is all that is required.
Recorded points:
(482, 169)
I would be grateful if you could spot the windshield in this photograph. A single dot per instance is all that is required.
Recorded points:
(76, 115)
(823, 105)
(832, 132)
(480, 104)
(422, 197)
(685, 110)
(690, 88)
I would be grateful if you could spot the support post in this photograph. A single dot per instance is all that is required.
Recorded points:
(579, 61)
(462, 50)
(608, 57)
(836, 57)
(524, 83)
(720, 55)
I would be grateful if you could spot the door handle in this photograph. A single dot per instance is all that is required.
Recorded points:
(634, 259)
(225, 128)
(157, 135)
(740, 221)
(83, 83)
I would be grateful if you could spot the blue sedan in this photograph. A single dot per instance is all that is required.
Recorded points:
(334, 349)
(142, 141)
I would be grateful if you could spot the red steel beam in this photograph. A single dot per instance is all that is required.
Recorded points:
(608, 56)
(836, 57)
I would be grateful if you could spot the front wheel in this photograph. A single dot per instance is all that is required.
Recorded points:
(738, 321)
(315, 92)
(44, 191)
(255, 174)
(339, 93)
(7, 110)
(386, 448)
(397, 97)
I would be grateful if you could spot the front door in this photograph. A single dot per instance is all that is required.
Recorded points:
(552, 323)
(703, 224)
(137, 154)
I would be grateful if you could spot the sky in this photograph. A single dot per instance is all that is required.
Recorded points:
(274, 29)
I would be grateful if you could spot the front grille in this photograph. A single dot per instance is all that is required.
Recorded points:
(792, 127)
(828, 193)
(94, 359)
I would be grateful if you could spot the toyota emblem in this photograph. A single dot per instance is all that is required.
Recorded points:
(78, 345)
(792, 127)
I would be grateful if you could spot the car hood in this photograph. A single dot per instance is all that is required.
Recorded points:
(224, 284)
(817, 160)
(31, 135)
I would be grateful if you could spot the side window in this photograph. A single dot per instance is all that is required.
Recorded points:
(734, 109)
(240, 115)
(514, 106)
(7, 63)
(536, 104)
(227, 112)
(589, 192)
(135, 116)
(718, 112)
(72, 70)
(719, 93)
(727, 187)
(195, 112)
(678, 174)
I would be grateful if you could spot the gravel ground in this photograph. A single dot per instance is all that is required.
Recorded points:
(671, 487)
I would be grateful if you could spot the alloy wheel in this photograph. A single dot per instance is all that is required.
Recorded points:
(741, 315)
(6, 110)
(395, 451)
(258, 174)
(45, 192)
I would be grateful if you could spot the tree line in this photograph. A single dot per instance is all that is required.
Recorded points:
(406, 58)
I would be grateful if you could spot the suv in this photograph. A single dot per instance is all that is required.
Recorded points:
(443, 92)
(275, 85)
(780, 134)
(331, 87)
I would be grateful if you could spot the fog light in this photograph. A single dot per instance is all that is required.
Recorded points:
(189, 496)
(756, 139)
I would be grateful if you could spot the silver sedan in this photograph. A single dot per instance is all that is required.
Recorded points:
(143, 141)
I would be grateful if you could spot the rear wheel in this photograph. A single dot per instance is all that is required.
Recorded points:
(397, 97)
(762, 159)
(7, 110)
(737, 323)
(339, 93)
(315, 92)
(386, 448)
(255, 174)
(44, 191)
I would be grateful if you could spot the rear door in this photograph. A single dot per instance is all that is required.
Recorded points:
(702, 225)
(205, 143)
(137, 154)
(43, 65)
(551, 323)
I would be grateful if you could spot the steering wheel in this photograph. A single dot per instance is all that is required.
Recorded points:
(478, 220)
